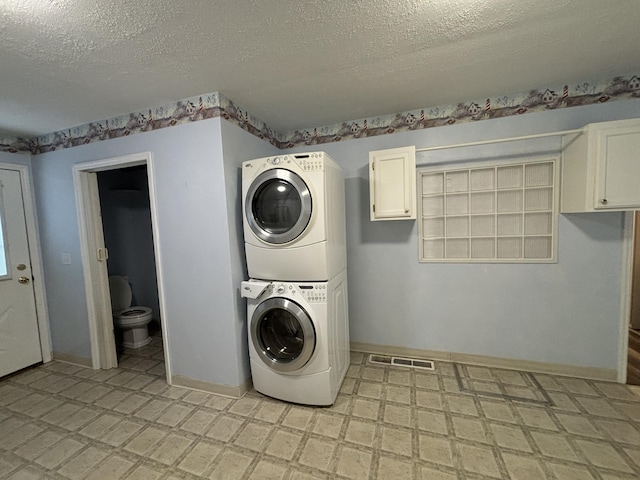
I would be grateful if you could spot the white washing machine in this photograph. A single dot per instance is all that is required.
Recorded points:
(298, 338)
(294, 217)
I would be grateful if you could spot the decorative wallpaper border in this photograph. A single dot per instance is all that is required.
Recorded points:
(619, 88)
(215, 104)
(183, 111)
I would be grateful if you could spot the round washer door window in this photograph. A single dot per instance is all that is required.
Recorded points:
(283, 335)
(278, 206)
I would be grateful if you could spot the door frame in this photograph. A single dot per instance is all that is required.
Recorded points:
(100, 317)
(625, 295)
(635, 273)
(33, 240)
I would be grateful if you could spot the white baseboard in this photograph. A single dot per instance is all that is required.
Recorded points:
(75, 360)
(225, 390)
(591, 373)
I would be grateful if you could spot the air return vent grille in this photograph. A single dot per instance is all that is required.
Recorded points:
(401, 362)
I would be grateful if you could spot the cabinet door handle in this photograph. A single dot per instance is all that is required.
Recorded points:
(603, 201)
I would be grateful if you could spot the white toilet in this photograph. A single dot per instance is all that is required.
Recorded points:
(132, 321)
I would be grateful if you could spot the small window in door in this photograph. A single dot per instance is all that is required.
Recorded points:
(4, 270)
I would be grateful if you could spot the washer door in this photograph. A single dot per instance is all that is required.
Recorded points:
(283, 335)
(278, 206)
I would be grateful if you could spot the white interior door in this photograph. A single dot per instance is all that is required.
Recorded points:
(106, 337)
(19, 335)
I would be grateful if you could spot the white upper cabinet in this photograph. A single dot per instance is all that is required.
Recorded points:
(392, 184)
(601, 168)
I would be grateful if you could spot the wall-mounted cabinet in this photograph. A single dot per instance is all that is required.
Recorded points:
(392, 184)
(601, 168)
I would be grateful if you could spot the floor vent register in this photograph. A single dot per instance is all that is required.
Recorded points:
(401, 362)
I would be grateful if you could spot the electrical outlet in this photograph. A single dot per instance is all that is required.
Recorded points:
(66, 258)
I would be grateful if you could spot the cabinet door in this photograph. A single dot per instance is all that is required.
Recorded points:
(618, 168)
(392, 183)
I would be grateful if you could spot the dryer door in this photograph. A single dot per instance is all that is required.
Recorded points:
(283, 335)
(278, 206)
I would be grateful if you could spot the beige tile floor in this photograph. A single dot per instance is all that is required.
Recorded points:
(62, 421)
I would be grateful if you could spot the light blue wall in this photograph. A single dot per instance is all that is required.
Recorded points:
(238, 146)
(58, 225)
(15, 158)
(198, 271)
(565, 313)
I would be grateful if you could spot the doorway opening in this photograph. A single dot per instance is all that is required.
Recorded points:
(131, 266)
(119, 239)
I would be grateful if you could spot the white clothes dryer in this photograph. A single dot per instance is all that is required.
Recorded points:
(299, 339)
(294, 217)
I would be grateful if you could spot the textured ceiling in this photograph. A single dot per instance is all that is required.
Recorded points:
(297, 64)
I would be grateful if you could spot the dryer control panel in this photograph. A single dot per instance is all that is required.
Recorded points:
(311, 161)
(306, 161)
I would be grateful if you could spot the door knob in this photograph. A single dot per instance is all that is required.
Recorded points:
(23, 280)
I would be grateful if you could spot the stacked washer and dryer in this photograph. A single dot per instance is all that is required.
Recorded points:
(295, 243)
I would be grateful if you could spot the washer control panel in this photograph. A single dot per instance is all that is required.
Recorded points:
(311, 292)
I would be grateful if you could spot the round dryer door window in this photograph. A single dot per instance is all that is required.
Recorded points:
(283, 335)
(278, 206)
